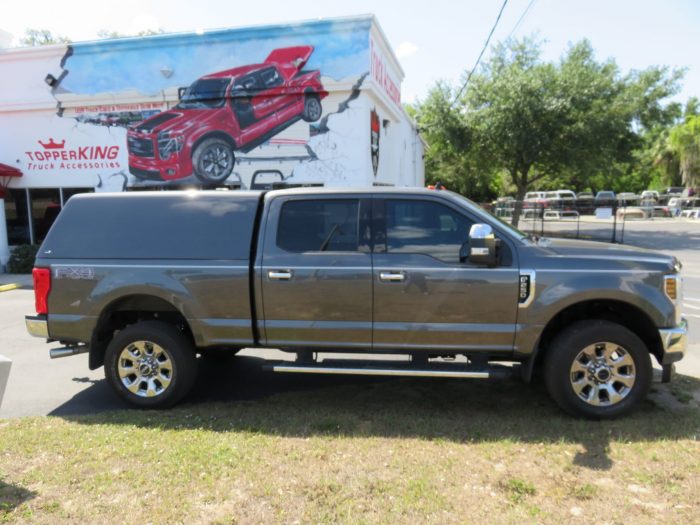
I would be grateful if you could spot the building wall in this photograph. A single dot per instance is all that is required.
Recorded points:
(67, 112)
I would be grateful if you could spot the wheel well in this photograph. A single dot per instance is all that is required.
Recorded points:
(214, 135)
(625, 314)
(309, 92)
(129, 310)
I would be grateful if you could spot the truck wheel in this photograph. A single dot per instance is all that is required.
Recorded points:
(312, 108)
(213, 160)
(598, 369)
(151, 364)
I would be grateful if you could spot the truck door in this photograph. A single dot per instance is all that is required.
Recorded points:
(316, 273)
(424, 297)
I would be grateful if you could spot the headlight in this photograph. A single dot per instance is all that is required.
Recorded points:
(168, 144)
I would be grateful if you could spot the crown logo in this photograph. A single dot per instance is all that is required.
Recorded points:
(53, 145)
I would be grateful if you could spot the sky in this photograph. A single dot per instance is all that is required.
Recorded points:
(434, 40)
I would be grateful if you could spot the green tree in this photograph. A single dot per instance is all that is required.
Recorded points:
(576, 123)
(684, 141)
(42, 37)
(450, 157)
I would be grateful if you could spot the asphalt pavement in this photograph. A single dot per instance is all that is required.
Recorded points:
(39, 385)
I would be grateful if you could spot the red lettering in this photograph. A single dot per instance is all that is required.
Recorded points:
(82, 153)
(112, 152)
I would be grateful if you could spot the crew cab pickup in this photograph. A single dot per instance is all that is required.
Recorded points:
(147, 282)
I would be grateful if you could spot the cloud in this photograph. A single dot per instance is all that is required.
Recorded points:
(406, 49)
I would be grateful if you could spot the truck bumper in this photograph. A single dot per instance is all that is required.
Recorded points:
(674, 342)
(37, 326)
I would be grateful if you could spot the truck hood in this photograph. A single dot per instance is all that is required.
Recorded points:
(177, 120)
(611, 255)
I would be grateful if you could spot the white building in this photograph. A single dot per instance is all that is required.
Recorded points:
(230, 107)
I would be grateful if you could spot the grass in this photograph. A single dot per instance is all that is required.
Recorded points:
(330, 450)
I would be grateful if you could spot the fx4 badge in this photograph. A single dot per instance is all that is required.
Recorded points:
(526, 288)
(74, 272)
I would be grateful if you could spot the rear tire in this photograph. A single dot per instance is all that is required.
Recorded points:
(598, 370)
(312, 108)
(151, 364)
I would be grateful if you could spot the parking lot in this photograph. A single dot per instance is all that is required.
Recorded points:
(40, 386)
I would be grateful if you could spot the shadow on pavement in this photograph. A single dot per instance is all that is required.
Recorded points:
(236, 395)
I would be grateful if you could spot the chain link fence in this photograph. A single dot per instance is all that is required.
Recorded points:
(603, 222)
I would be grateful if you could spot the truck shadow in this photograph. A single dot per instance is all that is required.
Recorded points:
(236, 395)
(12, 496)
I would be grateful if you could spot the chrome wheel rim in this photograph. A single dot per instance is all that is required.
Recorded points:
(313, 109)
(603, 374)
(145, 369)
(216, 162)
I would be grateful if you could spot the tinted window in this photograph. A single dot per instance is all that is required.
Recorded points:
(167, 225)
(270, 78)
(205, 93)
(425, 227)
(319, 226)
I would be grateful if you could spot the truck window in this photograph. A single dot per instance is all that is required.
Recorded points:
(425, 227)
(270, 78)
(205, 93)
(319, 226)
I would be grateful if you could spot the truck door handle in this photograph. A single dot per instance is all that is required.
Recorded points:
(279, 275)
(392, 277)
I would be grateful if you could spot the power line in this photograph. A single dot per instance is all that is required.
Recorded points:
(469, 76)
(520, 20)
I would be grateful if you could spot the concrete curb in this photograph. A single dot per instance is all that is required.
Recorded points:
(8, 287)
(5, 365)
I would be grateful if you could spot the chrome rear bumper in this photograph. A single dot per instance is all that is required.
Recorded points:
(37, 326)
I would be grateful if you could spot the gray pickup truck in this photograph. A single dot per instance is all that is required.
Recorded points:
(147, 282)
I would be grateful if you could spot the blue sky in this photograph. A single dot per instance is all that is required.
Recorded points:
(436, 39)
(341, 50)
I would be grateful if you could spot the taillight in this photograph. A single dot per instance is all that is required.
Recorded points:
(42, 287)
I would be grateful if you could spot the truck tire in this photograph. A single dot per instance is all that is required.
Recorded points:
(151, 364)
(213, 160)
(312, 108)
(597, 369)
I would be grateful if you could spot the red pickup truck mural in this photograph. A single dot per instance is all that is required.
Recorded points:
(233, 110)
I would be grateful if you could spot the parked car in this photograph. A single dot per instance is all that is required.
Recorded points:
(560, 199)
(649, 194)
(605, 199)
(233, 110)
(585, 203)
(426, 274)
(627, 199)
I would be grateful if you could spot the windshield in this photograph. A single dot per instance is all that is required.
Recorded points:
(488, 216)
(205, 93)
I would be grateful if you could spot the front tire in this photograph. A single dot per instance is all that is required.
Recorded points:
(598, 369)
(151, 364)
(213, 160)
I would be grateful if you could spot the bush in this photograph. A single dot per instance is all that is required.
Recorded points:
(22, 258)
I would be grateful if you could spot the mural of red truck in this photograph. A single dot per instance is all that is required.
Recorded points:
(233, 110)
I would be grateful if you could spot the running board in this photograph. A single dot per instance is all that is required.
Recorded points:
(491, 372)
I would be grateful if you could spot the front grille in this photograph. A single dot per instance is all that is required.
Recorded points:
(140, 147)
(145, 174)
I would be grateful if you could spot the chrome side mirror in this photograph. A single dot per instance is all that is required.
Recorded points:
(481, 247)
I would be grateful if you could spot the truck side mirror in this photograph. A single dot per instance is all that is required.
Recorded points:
(481, 248)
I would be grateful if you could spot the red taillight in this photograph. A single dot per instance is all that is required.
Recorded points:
(42, 287)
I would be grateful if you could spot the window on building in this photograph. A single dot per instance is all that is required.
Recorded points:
(45, 206)
(16, 217)
(425, 227)
(319, 226)
(69, 192)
